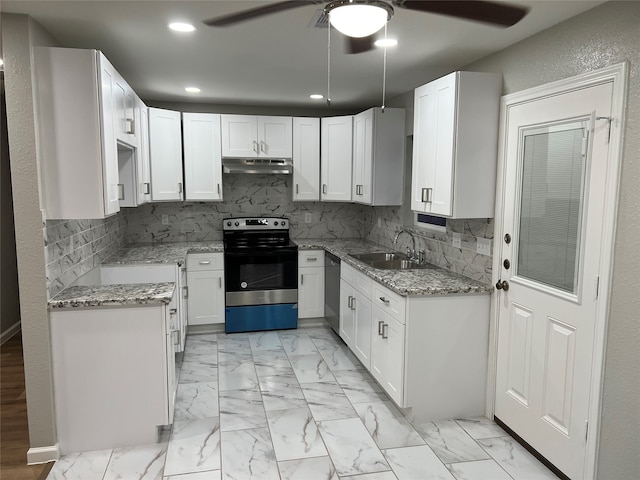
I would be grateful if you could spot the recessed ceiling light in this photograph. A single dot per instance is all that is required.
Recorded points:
(386, 42)
(192, 89)
(316, 96)
(182, 27)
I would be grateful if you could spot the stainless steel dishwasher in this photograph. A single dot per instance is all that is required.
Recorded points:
(332, 291)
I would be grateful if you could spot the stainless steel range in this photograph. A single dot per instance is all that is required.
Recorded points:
(261, 274)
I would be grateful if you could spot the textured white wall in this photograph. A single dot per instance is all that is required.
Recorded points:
(607, 35)
(19, 32)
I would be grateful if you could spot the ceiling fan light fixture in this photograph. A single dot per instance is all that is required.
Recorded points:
(358, 18)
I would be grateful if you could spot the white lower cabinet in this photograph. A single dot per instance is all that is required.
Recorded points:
(310, 283)
(114, 372)
(428, 353)
(205, 278)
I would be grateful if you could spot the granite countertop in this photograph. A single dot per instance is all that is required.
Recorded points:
(113, 295)
(420, 282)
(148, 253)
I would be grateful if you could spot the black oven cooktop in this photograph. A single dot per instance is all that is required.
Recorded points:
(256, 232)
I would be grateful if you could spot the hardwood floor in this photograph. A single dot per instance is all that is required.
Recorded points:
(14, 433)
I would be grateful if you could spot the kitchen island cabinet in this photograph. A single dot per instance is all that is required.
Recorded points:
(113, 351)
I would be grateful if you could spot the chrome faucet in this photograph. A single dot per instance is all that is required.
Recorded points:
(411, 253)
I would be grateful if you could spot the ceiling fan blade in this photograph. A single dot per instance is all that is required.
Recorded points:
(501, 14)
(359, 45)
(252, 13)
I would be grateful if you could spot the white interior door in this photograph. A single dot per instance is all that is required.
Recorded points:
(555, 166)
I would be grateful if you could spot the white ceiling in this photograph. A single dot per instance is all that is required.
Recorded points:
(276, 59)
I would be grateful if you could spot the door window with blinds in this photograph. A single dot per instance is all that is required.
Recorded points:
(549, 221)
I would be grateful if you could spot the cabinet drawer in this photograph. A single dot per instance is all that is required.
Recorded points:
(310, 258)
(389, 302)
(358, 280)
(205, 261)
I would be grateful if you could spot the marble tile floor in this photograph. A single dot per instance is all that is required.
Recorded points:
(297, 405)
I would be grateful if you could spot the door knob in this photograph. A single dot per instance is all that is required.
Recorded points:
(502, 285)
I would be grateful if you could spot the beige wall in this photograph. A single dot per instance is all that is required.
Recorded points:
(19, 32)
(604, 36)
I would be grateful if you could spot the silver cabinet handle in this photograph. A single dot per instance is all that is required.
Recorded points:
(256, 148)
(130, 126)
(218, 189)
(173, 311)
(324, 188)
(380, 323)
(301, 279)
(297, 189)
(263, 146)
(204, 262)
(120, 191)
(312, 259)
(426, 195)
(384, 331)
(175, 336)
(185, 292)
(353, 304)
(384, 300)
(147, 188)
(220, 281)
(349, 302)
(179, 187)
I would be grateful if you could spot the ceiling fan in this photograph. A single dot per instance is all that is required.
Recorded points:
(359, 20)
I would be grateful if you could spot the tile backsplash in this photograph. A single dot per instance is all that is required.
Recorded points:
(73, 247)
(244, 195)
(438, 246)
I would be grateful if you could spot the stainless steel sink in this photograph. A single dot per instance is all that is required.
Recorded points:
(379, 257)
(390, 261)
(400, 265)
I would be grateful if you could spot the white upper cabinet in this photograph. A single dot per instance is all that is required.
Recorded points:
(455, 145)
(126, 106)
(246, 136)
(202, 156)
(144, 167)
(165, 152)
(378, 156)
(133, 163)
(306, 159)
(77, 146)
(336, 151)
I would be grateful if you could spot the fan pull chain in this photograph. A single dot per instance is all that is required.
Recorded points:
(329, 65)
(384, 69)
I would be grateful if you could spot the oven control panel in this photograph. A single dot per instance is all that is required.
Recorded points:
(255, 223)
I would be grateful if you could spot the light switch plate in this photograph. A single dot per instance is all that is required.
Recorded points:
(165, 219)
(483, 246)
(457, 240)
(307, 218)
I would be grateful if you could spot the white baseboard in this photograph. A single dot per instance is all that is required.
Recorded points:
(9, 332)
(43, 454)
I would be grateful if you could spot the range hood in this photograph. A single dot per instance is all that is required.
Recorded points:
(257, 165)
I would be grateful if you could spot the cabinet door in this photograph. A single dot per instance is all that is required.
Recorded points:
(239, 136)
(202, 156)
(165, 150)
(362, 337)
(336, 158)
(108, 76)
(362, 157)
(206, 297)
(347, 320)
(125, 101)
(387, 354)
(311, 292)
(306, 159)
(144, 169)
(275, 137)
(433, 147)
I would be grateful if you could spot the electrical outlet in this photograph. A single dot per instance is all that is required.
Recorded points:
(483, 246)
(457, 240)
(165, 219)
(307, 218)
